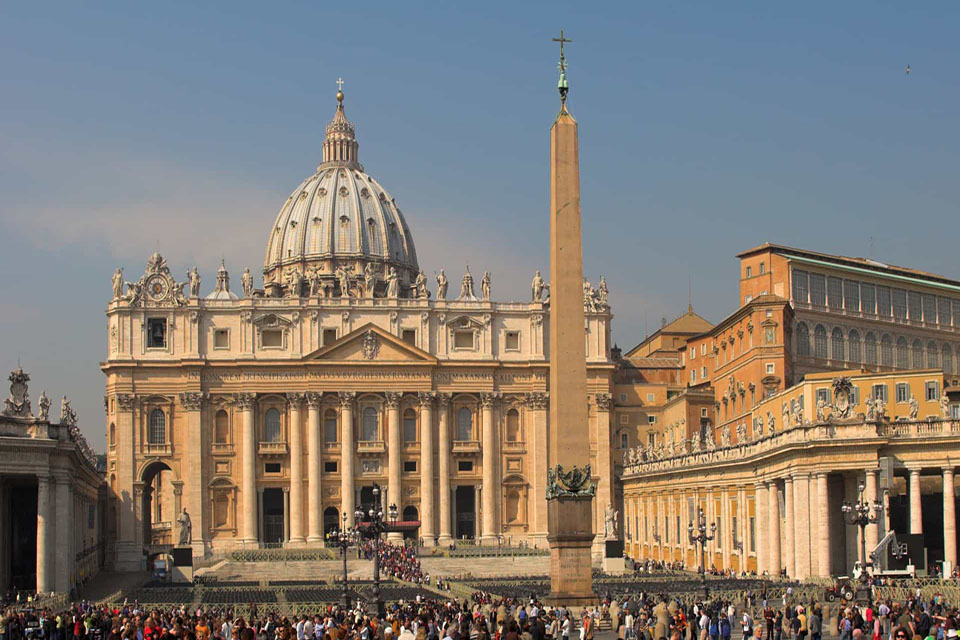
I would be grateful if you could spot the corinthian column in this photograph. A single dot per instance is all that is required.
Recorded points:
(347, 495)
(427, 530)
(443, 468)
(491, 484)
(916, 511)
(314, 500)
(393, 457)
(295, 401)
(248, 456)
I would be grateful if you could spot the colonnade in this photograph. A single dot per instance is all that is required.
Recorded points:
(62, 521)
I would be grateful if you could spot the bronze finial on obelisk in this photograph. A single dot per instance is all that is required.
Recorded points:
(570, 486)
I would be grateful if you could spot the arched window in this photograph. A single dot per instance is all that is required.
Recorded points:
(272, 430)
(886, 350)
(221, 428)
(853, 342)
(820, 342)
(464, 424)
(870, 349)
(513, 505)
(513, 425)
(836, 345)
(917, 354)
(113, 427)
(903, 353)
(803, 339)
(933, 355)
(371, 422)
(947, 359)
(158, 427)
(409, 425)
(330, 426)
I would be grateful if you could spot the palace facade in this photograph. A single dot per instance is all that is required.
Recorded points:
(267, 414)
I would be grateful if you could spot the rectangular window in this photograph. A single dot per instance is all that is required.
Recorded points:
(763, 268)
(929, 309)
(464, 465)
(652, 439)
(156, 333)
(868, 298)
(272, 467)
(883, 302)
(946, 312)
(624, 441)
(703, 412)
(703, 349)
(624, 418)
(900, 304)
(272, 338)
(329, 336)
(330, 466)
(933, 391)
(880, 392)
(650, 397)
(851, 295)
(409, 336)
(693, 353)
(855, 396)
(693, 376)
(914, 306)
(409, 466)
(651, 419)
(902, 391)
(801, 286)
(823, 395)
(463, 340)
(513, 341)
(818, 289)
(221, 339)
(835, 292)
(703, 373)
(749, 271)
(771, 368)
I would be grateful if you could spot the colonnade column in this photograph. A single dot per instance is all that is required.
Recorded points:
(790, 535)
(443, 468)
(949, 519)
(726, 533)
(711, 518)
(775, 562)
(427, 530)
(491, 484)
(760, 508)
(870, 495)
(801, 519)
(824, 539)
(314, 494)
(744, 526)
(248, 455)
(916, 511)
(65, 518)
(295, 401)
(347, 497)
(45, 533)
(394, 463)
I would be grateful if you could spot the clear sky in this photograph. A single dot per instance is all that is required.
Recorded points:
(705, 129)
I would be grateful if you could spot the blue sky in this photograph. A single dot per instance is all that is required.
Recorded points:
(706, 128)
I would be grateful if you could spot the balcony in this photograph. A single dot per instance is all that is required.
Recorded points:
(371, 447)
(164, 449)
(265, 448)
(466, 447)
(222, 448)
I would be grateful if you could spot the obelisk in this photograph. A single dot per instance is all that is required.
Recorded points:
(570, 488)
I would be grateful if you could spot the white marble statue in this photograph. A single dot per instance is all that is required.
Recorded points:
(186, 528)
(246, 281)
(442, 285)
(44, 404)
(944, 406)
(466, 286)
(536, 286)
(609, 523)
(369, 280)
(771, 423)
(602, 291)
(193, 276)
(420, 286)
(485, 285)
(393, 283)
(821, 410)
(914, 407)
(118, 283)
(343, 278)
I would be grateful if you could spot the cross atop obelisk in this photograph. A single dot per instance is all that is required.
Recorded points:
(562, 85)
(570, 486)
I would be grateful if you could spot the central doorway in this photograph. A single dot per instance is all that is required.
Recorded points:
(465, 502)
(273, 516)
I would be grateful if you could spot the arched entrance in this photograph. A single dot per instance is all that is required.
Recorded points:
(331, 520)
(159, 505)
(410, 514)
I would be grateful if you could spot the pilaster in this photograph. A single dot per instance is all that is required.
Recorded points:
(443, 468)
(195, 482)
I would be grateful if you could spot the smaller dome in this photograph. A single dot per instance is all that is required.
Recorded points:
(222, 292)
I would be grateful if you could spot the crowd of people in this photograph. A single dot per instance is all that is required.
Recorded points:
(398, 561)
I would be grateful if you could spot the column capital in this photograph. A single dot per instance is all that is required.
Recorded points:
(538, 400)
(392, 399)
(347, 398)
(946, 470)
(443, 400)
(604, 401)
(245, 401)
(191, 400)
(489, 400)
(426, 398)
(46, 479)
(314, 398)
(126, 401)
(296, 399)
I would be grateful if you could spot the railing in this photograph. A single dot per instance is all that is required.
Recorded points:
(265, 448)
(164, 449)
(371, 446)
(466, 446)
(222, 448)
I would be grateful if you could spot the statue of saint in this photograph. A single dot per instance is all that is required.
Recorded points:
(186, 528)
(944, 406)
(537, 286)
(485, 285)
(393, 283)
(344, 279)
(247, 281)
(466, 286)
(609, 523)
(118, 283)
(442, 286)
(44, 403)
(420, 286)
(193, 276)
(602, 291)
(914, 407)
(369, 280)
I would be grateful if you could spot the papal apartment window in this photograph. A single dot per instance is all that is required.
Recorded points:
(903, 392)
(703, 373)
(650, 397)
(763, 268)
(880, 392)
(409, 336)
(329, 336)
(156, 333)
(693, 376)
(652, 419)
(463, 340)
(703, 349)
(513, 341)
(933, 391)
(221, 339)
(749, 271)
(770, 368)
(272, 338)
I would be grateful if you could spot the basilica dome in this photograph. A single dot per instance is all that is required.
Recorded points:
(338, 218)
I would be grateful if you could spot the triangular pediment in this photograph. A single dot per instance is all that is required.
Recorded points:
(371, 344)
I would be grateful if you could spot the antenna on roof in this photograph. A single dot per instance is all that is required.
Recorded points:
(871, 247)
(689, 294)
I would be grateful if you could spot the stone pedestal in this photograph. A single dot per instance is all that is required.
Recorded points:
(570, 538)
(614, 566)
(182, 565)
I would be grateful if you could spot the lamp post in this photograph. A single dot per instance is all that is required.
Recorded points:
(860, 514)
(701, 537)
(374, 527)
(344, 538)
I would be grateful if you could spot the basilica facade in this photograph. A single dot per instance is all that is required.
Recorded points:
(266, 414)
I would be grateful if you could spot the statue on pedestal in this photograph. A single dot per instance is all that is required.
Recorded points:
(609, 523)
(485, 285)
(118, 283)
(44, 403)
(193, 276)
(442, 285)
(186, 528)
(369, 280)
(420, 286)
(537, 286)
(246, 280)
(393, 283)
(466, 286)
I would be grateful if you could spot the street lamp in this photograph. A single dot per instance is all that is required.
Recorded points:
(344, 538)
(701, 537)
(862, 513)
(374, 527)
